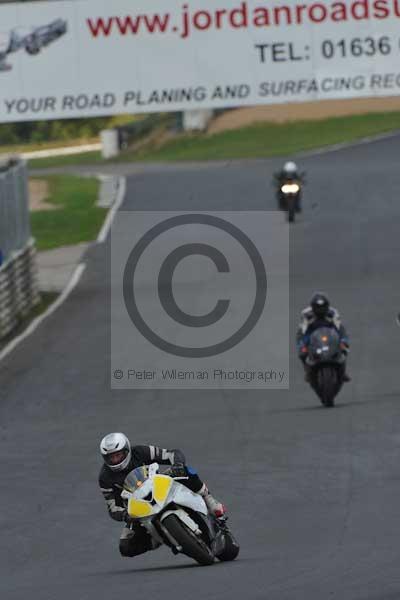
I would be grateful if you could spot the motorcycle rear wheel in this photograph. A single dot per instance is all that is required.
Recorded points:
(191, 545)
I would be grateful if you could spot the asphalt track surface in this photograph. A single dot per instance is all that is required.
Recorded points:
(313, 494)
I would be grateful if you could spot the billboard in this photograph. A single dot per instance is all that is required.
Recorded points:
(95, 57)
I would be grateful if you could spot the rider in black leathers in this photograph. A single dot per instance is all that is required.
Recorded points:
(120, 458)
(320, 314)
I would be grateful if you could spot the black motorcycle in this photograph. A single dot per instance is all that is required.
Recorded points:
(289, 192)
(326, 362)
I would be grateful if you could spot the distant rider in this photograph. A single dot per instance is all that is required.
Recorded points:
(320, 314)
(289, 173)
(120, 458)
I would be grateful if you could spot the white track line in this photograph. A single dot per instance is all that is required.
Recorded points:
(101, 238)
(73, 282)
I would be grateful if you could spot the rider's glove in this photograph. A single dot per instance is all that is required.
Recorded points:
(344, 347)
(178, 470)
(303, 351)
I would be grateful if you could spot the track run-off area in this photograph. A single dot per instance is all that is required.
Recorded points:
(313, 494)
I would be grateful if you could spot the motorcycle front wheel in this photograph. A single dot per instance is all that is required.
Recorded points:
(191, 545)
(327, 385)
(291, 210)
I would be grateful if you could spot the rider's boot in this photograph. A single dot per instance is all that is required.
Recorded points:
(307, 370)
(345, 376)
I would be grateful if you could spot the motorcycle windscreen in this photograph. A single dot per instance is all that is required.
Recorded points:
(136, 478)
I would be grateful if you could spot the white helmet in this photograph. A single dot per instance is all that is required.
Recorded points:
(290, 167)
(116, 451)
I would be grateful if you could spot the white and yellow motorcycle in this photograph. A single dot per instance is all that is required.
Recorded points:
(175, 516)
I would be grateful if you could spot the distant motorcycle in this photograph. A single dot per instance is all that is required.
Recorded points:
(175, 516)
(289, 194)
(326, 361)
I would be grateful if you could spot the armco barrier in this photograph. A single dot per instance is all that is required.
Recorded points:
(18, 275)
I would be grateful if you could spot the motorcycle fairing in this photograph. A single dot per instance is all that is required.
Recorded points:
(148, 497)
(161, 487)
(139, 509)
(184, 497)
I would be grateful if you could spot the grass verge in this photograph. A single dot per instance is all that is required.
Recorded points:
(261, 140)
(75, 219)
(271, 139)
(74, 160)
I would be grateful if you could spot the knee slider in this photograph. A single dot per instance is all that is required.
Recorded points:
(127, 548)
